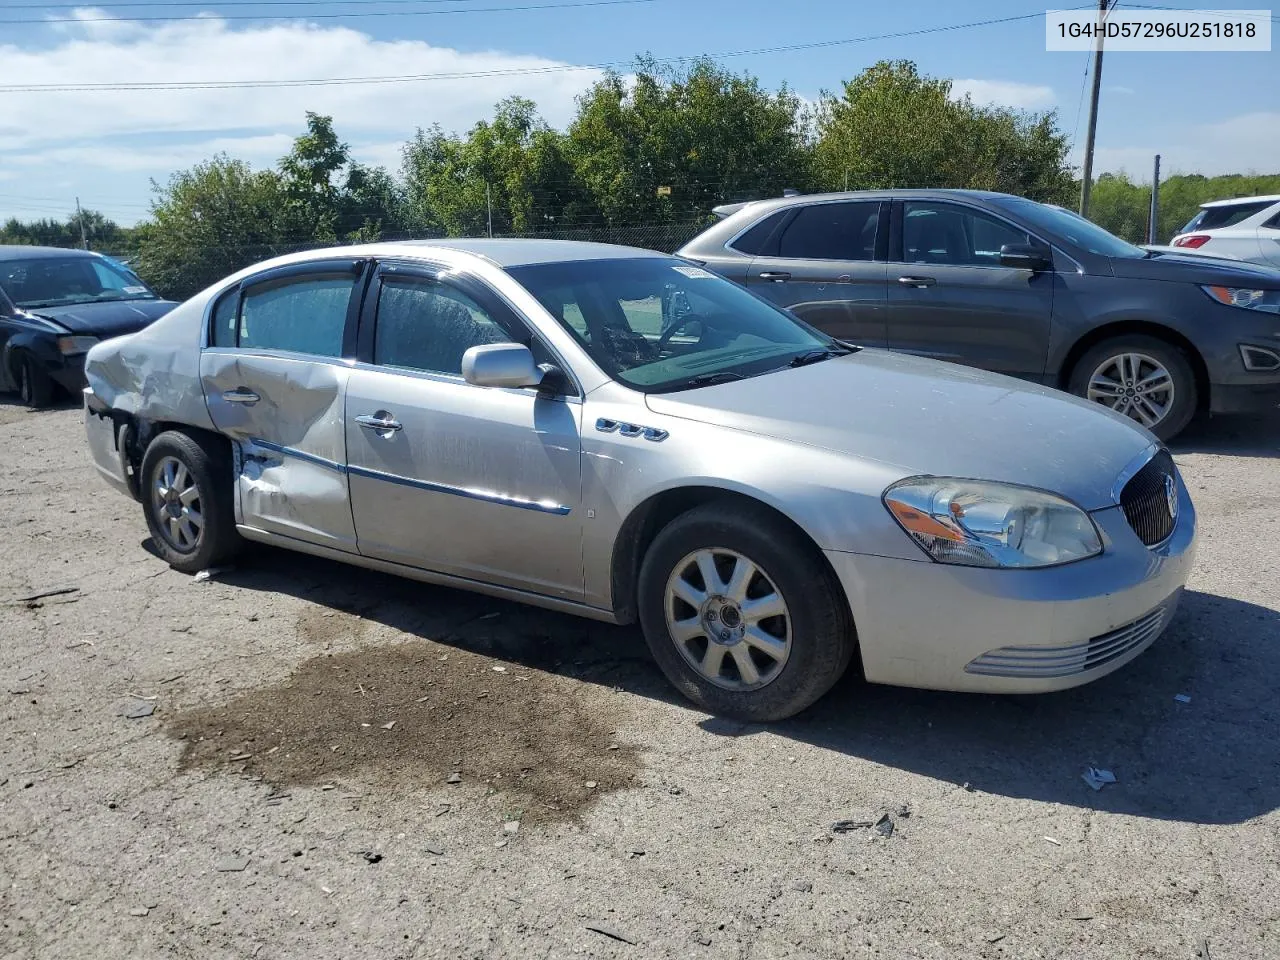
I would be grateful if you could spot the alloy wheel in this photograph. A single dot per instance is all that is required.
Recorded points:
(1134, 384)
(176, 500)
(728, 619)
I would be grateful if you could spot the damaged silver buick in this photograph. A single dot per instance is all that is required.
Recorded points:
(623, 435)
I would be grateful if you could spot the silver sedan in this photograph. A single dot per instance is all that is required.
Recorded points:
(623, 435)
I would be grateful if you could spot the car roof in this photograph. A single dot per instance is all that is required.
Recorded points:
(18, 251)
(913, 193)
(527, 252)
(1239, 200)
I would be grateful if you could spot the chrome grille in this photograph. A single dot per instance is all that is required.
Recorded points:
(1145, 500)
(1065, 661)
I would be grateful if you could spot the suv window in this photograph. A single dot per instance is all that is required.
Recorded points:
(946, 233)
(1214, 218)
(757, 240)
(832, 231)
(306, 315)
(223, 324)
(427, 325)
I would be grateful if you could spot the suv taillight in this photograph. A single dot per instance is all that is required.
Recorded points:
(1192, 240)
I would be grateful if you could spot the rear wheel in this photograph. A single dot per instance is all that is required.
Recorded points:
(35, 387)
(742, 614)
(186, 495)
(1146, 379)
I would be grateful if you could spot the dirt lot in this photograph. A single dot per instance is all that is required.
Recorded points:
(259, 766)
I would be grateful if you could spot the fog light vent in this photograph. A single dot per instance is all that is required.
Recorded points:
(1259, 359)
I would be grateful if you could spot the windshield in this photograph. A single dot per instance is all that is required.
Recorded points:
(1073, 228)
(660, 324)
(59, 281)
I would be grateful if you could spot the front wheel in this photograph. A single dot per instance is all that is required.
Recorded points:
(1146, 379)
(186, 495)
(742, 614)
(35, 386)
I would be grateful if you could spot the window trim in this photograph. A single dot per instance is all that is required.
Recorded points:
(490, 300)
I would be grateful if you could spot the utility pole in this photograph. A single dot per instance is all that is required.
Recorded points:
(84, 240)
(1154, 216)
(1086, 184)
(488, 202)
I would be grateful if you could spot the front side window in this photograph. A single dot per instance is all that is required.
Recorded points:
(832, 231)
(303, 315)
(428, 325)
(658, 324)
(1070, 229)
(62, 281)
(946, 233)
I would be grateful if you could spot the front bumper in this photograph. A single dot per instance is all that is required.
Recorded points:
(925, 624)
(1245, 397)
(103, 434)
(68, 372)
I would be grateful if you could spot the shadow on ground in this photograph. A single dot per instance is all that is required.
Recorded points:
(1236, 436)
(1213, 760)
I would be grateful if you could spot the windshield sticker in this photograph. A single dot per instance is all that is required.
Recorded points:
(135, 289)
(695, 273)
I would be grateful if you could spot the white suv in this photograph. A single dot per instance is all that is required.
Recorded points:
(1243, 229)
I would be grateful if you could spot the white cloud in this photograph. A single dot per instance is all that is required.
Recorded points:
(105, 142)
(1249, 143)
(1125, 91)
(1004, 93)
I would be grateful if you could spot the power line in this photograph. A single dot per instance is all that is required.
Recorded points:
(333, 16)
(505, 72)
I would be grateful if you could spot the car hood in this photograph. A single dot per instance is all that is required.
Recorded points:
(1197, 268)
(928, 417)
(106, 319)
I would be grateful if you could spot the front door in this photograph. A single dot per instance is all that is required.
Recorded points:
(476, 482)
(950, 298)
(275, 380)
(823, 266)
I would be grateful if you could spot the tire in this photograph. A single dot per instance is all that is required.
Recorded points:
(816, 633)
(1107, 360)
(175, 463)
(35, 387)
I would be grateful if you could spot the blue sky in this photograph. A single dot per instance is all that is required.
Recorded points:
(1206, 112)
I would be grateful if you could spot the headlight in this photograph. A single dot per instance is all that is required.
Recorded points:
(1265, 300)
(978, 524)
(67, 346)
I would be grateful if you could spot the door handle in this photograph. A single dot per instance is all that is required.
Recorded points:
(777, 276)
(382, 424)
(918, 282)
(241, 396)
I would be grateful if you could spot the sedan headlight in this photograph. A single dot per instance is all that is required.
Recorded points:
(1267, 301)
(69, 346)
(979, 524)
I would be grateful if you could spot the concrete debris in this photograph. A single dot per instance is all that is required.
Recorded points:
(1097, 777)
(139, 912)
(591, 784)
(389, 726)
(454, 778)
(884, 826)
(802, 886)
(233, 865)
(611, 933)
(139, 710)
(511, 826)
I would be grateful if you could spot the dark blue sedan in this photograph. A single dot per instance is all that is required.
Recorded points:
(54, 305)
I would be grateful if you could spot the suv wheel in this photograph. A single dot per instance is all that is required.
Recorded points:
(186, 495)
(743, 616)
(1146, 379)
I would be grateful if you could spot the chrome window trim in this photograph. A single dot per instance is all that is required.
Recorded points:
(1131, 470)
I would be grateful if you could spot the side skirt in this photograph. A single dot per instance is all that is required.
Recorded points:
(428, 576)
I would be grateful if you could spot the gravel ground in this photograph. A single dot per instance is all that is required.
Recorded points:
(261, 765)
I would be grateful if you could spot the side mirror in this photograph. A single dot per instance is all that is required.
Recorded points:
(501, 365)
(1026, 256)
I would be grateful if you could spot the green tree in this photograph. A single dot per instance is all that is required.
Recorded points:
(98, 230)
(1122, 206)
(704, 135)
(895, 127)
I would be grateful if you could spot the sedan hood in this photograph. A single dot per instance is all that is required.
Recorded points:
(1193, 268)
(927, 417)
(105, 319)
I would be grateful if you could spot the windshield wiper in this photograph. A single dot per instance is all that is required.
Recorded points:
(816, 356)
(710, 379)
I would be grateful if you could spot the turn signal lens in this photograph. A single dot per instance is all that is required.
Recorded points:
(69, 346)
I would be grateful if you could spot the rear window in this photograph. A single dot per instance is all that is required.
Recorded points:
(760, 239)
(1213, 218)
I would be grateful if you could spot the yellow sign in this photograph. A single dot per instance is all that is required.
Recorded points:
(664, 191)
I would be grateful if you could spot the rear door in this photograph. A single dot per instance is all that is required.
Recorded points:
(951, 299)
(476, 482)
(275, 378)
(825, 263)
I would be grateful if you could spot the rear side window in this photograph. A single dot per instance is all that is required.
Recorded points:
(832, 231)
(1213, 218)
(426, 325)
(1274, 222)
(225, 313)
(306, 315)
(759, 240)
